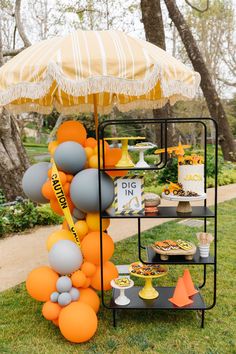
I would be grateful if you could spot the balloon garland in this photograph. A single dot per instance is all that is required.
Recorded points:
(70, 185)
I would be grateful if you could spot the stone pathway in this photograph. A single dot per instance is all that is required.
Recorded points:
(20, 254)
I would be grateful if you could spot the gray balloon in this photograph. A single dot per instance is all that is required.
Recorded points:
(78, 214)
(33, 180)
(65, 257)
(70, 157)
(84, 190)
(74, 293)
(64, 299)
(64, 284)
(54, 296)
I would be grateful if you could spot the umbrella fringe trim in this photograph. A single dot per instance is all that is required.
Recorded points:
(86, 108)
(99, 84)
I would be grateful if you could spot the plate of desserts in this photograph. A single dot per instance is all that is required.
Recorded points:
(141, 270)
(179, 247)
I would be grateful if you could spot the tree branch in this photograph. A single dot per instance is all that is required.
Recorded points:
(12, 52)
(226, 82)
(19, 24)
(196, 8)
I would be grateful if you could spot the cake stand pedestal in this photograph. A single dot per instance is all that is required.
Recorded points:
(148, 292)
(184, 205)
(122, 299)
(141, 149)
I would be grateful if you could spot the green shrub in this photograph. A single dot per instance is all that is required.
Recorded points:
(24, 215)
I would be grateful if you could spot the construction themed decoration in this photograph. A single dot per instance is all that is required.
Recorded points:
(129, 195)
(191, 173)
(184, 290)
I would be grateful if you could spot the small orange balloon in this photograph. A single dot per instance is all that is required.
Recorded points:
(56, 207)
(106, 148)
(89, 297)
(78, 279)
(109, 272)
(65, 225)
(51, 310)
(112, 157)
(56, 322)
(93, 222)
(41, 282)
(52, 145)
(66, 188)
(90, 142)
(90, 247)
(71, 131)
(117, 173)
(81, 228)
(69, 177)
(49, 173)
(89, 151)
(87, 283)
(88, 269)
(47, 190)
(78, 322)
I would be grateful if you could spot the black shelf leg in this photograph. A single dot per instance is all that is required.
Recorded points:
(114, 318)
(203, 319)
(204, 278)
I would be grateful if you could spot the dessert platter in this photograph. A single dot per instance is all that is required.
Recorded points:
(168, 248)
(122, 284)
(148, 272)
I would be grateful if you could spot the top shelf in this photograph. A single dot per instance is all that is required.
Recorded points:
(151, 167)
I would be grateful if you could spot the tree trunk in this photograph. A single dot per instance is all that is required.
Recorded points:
(13, 158)
(214, 103)
(154, 31)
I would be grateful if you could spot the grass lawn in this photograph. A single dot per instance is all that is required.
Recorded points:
(24, 330)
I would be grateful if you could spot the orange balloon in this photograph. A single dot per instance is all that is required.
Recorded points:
(89, 151)
(66, 188)
(90, 247)
(51, 310)
(93, 222)
(112, 157)
(49, 173)
(90, 142)
(56, 322)
(93, 161)
(72, 131)
(109, 272)
(90, 297)
(117, 173)
(81, 228)
(69, 178)
(41, 282)
(87, 283)
(47, 190)
(57, 236)
(56, 207)
(65, 225)
(78, 322)
(52, 145)
(88, 269)
(62, 176)
(106, 148)
(78, 279)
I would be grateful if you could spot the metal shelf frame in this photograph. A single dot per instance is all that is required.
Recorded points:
(164, 212)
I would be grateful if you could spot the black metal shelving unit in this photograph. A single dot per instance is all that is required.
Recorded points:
(203, 212)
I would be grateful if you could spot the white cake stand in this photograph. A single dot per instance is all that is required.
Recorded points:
(122, 299)
(184, 205)
(141, 150)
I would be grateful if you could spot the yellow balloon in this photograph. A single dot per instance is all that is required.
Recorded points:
(93, 161)
(52, 146)
(89, 152)
(81, 228)
(57, 236)
(93, 222)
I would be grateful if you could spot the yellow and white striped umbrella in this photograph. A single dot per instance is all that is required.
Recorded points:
(94, 68)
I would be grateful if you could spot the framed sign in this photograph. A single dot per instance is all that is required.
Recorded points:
(129, 192)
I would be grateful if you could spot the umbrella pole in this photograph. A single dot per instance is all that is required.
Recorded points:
(95, 114)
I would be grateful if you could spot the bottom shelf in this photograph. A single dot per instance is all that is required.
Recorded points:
(161, 302)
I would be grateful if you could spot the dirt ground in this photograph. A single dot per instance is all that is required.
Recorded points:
(19, 254)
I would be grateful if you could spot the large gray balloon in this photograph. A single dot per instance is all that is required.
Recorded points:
(78, 214)
(65, 257)
(33, 180)
(84, 190)
(70, 157)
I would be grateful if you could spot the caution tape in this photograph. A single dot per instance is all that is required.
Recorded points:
(61, 198)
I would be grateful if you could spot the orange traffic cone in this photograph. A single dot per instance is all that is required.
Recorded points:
(189, 283)
(180, 297)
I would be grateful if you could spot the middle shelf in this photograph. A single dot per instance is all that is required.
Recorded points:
(164, 212)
